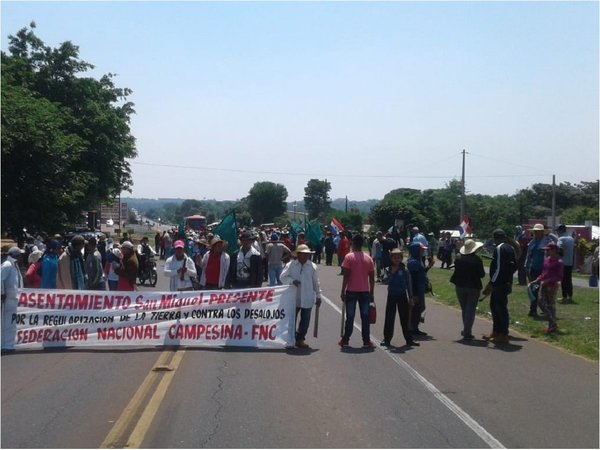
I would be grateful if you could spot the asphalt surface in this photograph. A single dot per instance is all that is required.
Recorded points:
(444, 394)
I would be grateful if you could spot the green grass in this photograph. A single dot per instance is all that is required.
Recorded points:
(577, 323)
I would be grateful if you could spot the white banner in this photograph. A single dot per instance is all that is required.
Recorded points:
(261, 317)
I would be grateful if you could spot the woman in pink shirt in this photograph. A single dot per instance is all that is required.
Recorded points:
(549, 280)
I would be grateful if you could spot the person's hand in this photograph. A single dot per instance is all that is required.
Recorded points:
(343, 297)
(371, 298)
(318, 302)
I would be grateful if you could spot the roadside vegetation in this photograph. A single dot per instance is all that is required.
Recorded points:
(577, 322)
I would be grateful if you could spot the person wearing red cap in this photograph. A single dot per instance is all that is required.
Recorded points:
(180, 268)
(549, 280)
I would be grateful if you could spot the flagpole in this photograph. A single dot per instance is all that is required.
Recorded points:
(462, 189)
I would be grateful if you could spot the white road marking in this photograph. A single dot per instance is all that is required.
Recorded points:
(490, 440)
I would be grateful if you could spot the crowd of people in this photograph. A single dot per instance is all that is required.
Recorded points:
(200, 261)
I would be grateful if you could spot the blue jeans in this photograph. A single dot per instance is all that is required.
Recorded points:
(362, 298)
(304, 322)
(274, 274)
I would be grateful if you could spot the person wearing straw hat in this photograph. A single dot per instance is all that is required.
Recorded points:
(534, 263)
(12, 280)
(467, 275)
(214, 265)
(33, 279)
(303, 274)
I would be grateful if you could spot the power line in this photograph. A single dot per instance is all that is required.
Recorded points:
(339, 175)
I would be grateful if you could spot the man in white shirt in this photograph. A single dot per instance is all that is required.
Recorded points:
(12, 279)
(302, 273)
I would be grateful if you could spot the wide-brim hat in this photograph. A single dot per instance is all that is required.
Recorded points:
(127, 244)
(538, 227)
(470, 246)
(216, 239)
(34, 257)
(303, 248)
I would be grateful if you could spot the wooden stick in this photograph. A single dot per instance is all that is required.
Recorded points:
(316, 328)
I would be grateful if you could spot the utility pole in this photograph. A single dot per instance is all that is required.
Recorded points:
(553, 202)
(462, 189)
(346, 203)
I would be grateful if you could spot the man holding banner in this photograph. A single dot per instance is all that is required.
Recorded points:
(302, 273)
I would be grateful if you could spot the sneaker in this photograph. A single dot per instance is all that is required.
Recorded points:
(385, 343)
(468, 337)
(419, 333)
(412, 344)
(368, 345)
(343, 343)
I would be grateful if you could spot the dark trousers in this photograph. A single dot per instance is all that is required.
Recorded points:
(567, 282)
(399, 303)
(304, 322)
(329, 257)
(362, 298)
(416, 310)
(499, 307)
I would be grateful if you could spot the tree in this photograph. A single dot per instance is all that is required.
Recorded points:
(266, 200)
(190, 207)
(316, 197)
(65, 137)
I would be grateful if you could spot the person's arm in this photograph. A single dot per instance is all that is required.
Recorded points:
(191, 267)
(169, 271)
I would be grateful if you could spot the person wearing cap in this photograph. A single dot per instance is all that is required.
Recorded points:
(418, 276)
(49, 265)
(551, 276)
(180, 269)
(275, 252)
(358, 286)
(534, 262)
(71, 266)
(566, 248)
(398, 296)
(467, 276)
(214, 265)
(33, 277)
(502, 268)
(144, 253)
(12, 280)
(245, 267)
(127, 269)
(417, 236)
(302, 273)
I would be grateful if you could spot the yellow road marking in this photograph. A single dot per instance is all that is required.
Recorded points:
(122, 423)
(139, 432)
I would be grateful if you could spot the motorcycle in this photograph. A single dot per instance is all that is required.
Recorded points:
(148, 273)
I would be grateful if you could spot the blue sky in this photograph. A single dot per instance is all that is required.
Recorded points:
(370, 96)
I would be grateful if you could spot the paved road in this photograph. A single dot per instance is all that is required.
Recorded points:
(442, 394)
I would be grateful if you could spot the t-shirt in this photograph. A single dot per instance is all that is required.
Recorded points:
(213, 269)
(360, 265)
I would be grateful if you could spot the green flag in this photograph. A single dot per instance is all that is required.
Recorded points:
(227, 230)
(314, 234)
(295, 228)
